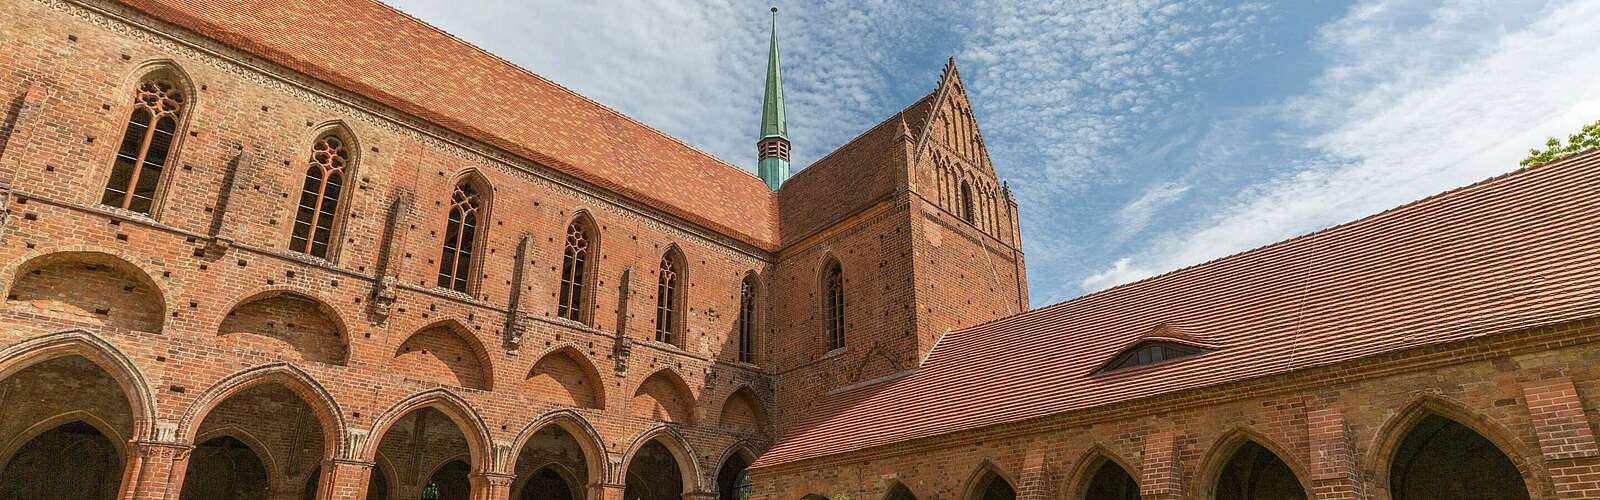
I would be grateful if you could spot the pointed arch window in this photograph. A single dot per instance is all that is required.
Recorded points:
(669, 298)
(574, 271)
(1150, 353)
(747, 320)
(966, 202)
(833, 303)
(320, 194)
(159, 104)
(461, 237)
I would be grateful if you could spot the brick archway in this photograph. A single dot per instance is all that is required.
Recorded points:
(676, 444)
(1077, 482)
(461, 413)
(1386, 441)
(103, 354)
(589, 442)
(297, 381)
(1221, 453)
(983, 478)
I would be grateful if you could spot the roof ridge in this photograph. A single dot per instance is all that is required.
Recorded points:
(564, 88)
(1592, 153)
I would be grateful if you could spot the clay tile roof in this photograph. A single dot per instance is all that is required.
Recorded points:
(368, 48)
(847, 180)
(1517, 251)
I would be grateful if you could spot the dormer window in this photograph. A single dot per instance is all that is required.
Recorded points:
(1150, 353)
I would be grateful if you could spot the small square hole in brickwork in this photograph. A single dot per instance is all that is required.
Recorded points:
(122, 237)
(126, 57)
(89, 139)
(30, 216)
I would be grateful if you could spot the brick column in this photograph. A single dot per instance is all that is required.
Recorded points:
(491, 485)
(1033, 481)
(154, 471)
(344, 479)
(700, 495)
(603, 491)
(1161, 476)
(1566, 441)
(1334, 473)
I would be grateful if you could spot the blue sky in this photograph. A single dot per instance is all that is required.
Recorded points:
(1140, 136)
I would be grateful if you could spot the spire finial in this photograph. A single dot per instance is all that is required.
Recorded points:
(773, 144)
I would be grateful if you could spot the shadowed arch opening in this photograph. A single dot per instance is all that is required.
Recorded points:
(832, 286)
(1440, 458)
(565, 376)
(294, 440)
(654, 473)
(733, 481)
(899, 492)
(448, 482)
(663, 397)
(743, 413)
(988, 484)
(225, 468)
(286, 325)
(445, 353)
(747, 325)
(1102, 474)
(554, 464)
(1252, 472)
(74, 460)
(90, 288)
(424, 432)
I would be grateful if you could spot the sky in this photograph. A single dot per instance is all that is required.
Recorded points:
(1138, 136)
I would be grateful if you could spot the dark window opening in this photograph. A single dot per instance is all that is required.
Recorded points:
(460, 238)
(747, 320)
(1151, 353)
(833, 306)
(573, 273)
(668, 290)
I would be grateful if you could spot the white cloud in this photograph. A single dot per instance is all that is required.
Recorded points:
(1418, 100)
(1133, 217)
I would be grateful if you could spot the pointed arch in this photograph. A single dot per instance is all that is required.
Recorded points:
(1386, 442)
(676, 444)
(671, 292)
(465, 232)
(1221, 453)
(10, 447)
(664, 396)
(898, 490)
(1088, 466)
(747, 326)
(580, 259)
(589, 441)
(121, 294)
(315, 330)
(733, 478)
(445, 352)
(466, 419)
(983, 478)
(566, 371)
(255, 444)
(743, 412)
(965, 207)
(113, 362)
(831, 282)
(297, 381)
(160, 99)
(332, 157)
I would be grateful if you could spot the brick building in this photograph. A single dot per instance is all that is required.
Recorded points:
(322, 250)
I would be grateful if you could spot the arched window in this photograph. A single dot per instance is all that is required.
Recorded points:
(833, 303)
(669, 298)
(574, 272)
(966, 202)
(460, 236)
(747, 320)
(318, 210)
(1150, 353)
(158, 107)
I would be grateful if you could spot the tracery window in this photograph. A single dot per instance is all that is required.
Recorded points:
(747, 320)
(460, 237)
(158, 107)
(1149, 353)
(833, 304)
(669, 290)
(574, 269)
(318, 210)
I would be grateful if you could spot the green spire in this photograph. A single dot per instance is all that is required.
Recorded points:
(772, 122)
(773, 146)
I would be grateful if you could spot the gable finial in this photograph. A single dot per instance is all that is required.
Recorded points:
(773, 145)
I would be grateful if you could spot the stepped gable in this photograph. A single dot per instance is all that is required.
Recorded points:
(381, 53)
(1517, 251)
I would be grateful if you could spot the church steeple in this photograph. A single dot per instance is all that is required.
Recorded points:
(773, 146)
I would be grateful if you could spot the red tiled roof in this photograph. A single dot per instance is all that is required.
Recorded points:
(1515, 251)
(371, 49)
(847, 180)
